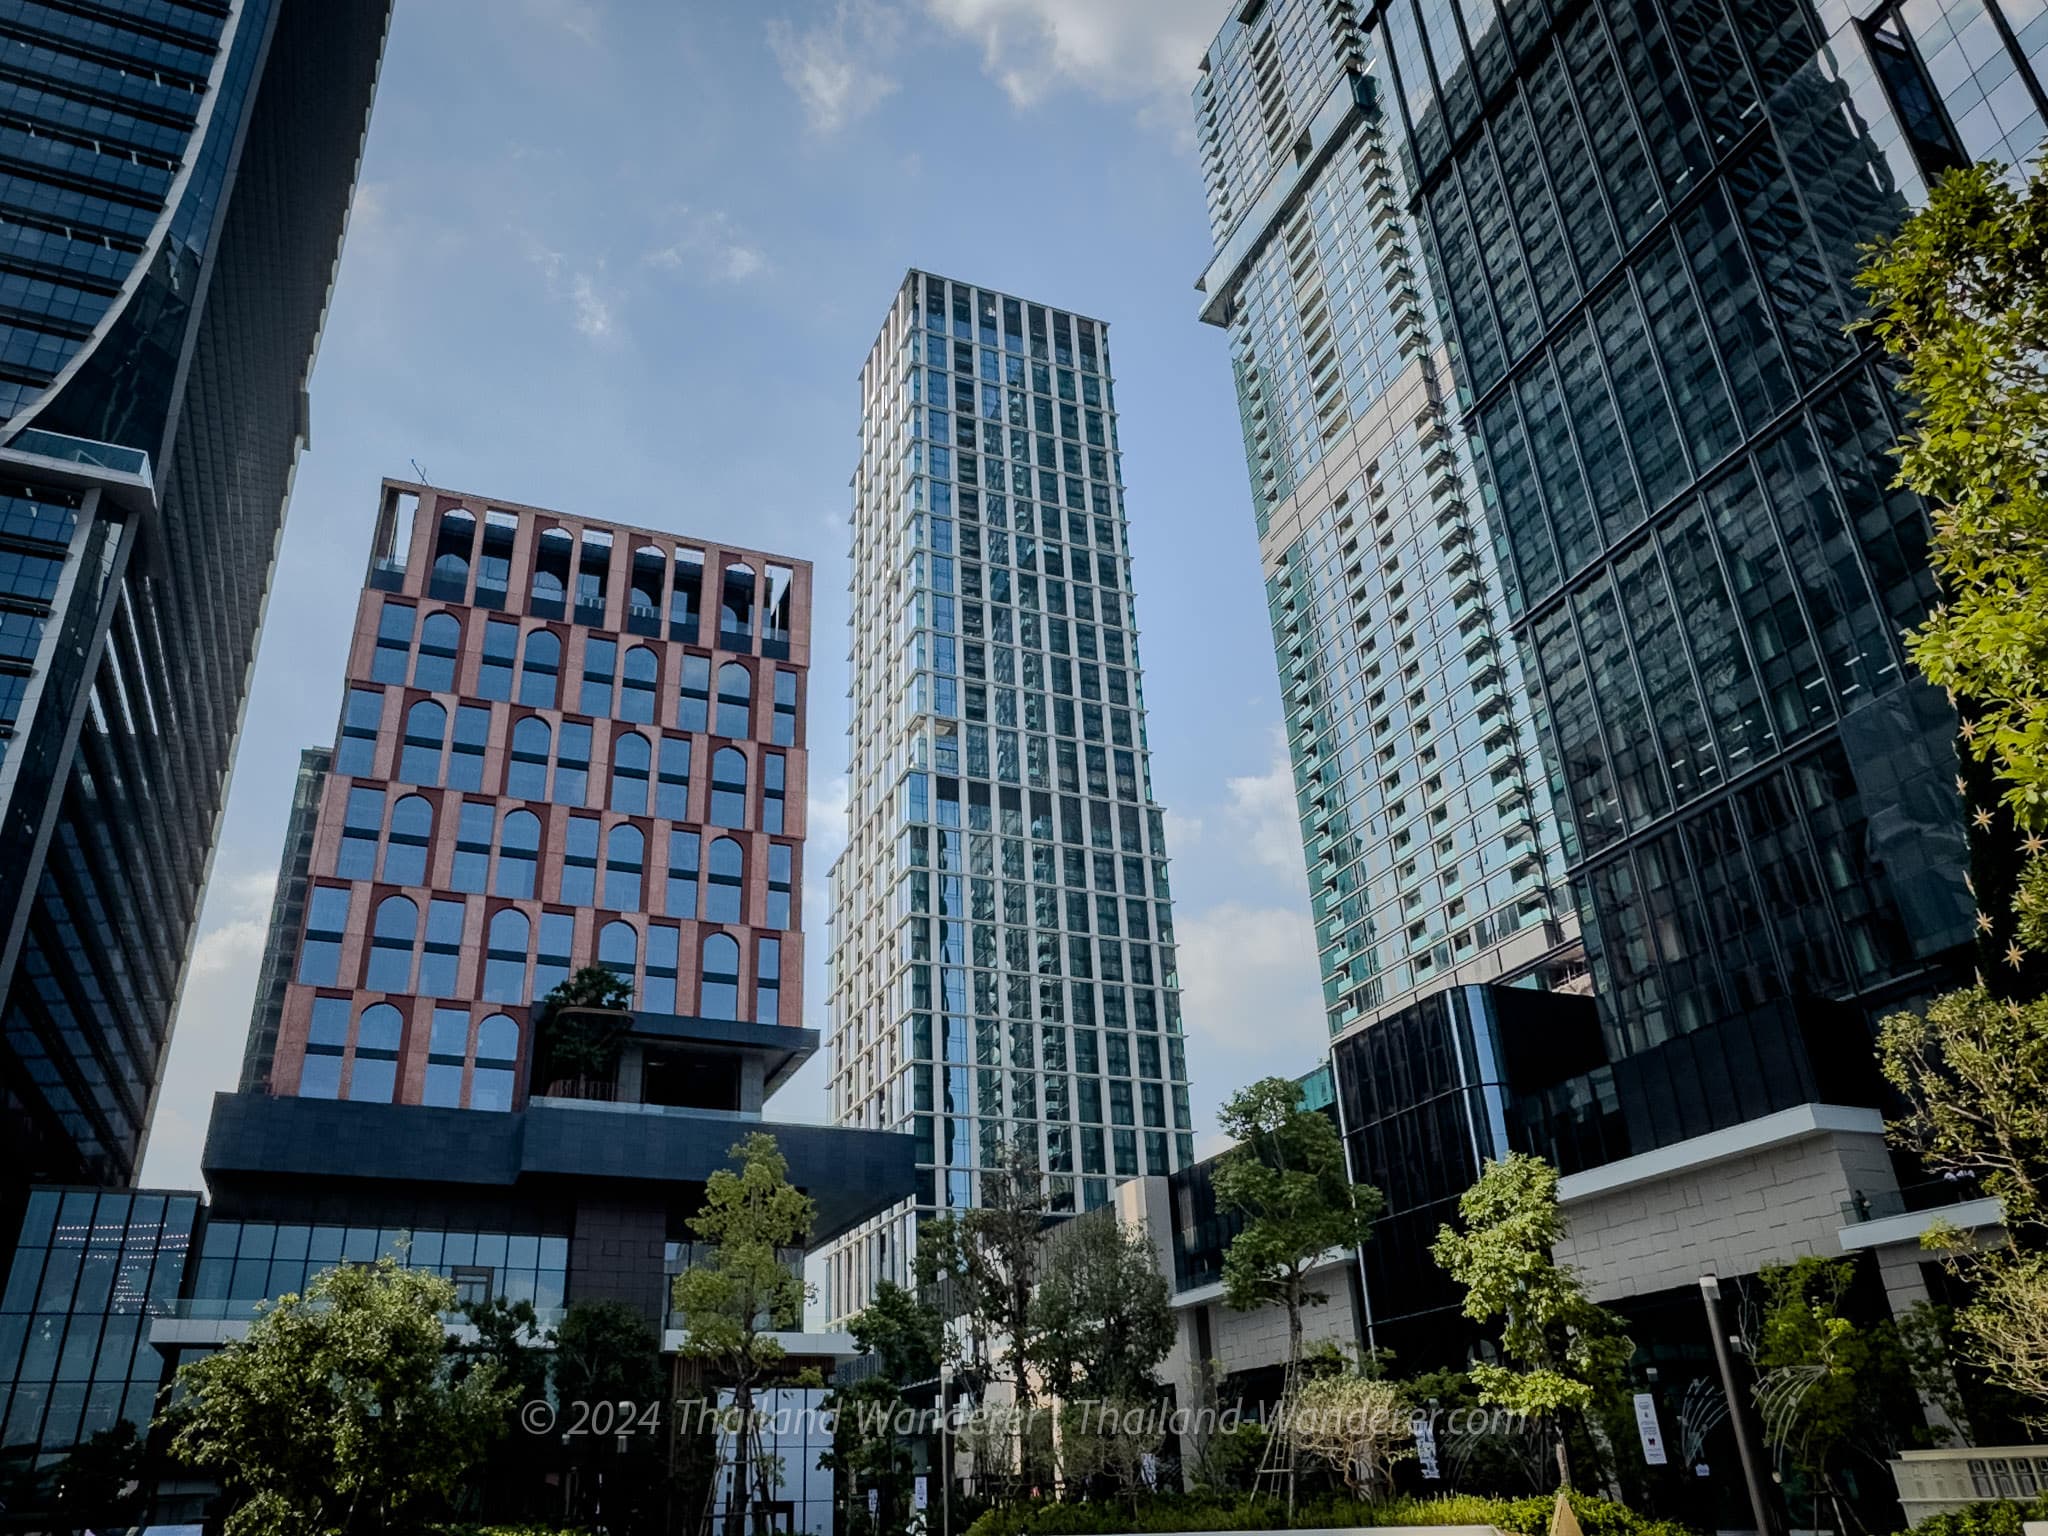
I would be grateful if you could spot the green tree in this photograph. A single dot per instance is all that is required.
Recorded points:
(1103, 1313)
(608, 1372)
(580, 1027)
(507, 1337)
(100, 1483)
(1831, 1390)
(1973, 1071)
(903, 1334)
(733, 1303)
(1287, 1178)
(1960, 295)
(1568, 1353)
(336, 1413)
(902, 1331)
(987, 1259)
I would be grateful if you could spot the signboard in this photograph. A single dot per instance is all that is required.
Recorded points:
(874, 1502)
(1425, 1448)
(919, 1498)
(1647, 1427)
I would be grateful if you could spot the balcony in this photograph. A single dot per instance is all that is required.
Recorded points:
(82, 450)
(1888, 1204)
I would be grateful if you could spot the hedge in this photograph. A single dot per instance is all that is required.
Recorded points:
(1159, 1513)
(2003, 1518)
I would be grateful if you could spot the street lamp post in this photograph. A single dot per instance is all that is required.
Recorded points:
(1738, 1416)
(945, 1459)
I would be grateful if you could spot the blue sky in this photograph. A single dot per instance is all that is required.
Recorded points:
(625, 257)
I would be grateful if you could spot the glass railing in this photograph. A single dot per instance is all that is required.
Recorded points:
(82, 450)
(616, 1107)
(222, 1309)
(1932, 1195)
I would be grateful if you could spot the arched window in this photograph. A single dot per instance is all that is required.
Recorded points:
(720, 998)
(391, 942)
(505, 956)
(735, 701)
(725, 882)
(693, 710)
(649, 566)
(618, 950)
(541, 669)
(440, 643)
(625, 857)
(686, 598)
(632, 764)
(378, 1032)
(518, 854)
(405, 847)
(497, 1053)
(526, 775)
(736, 609)
(639, 685)
(729, 788)
(426, 732)
(452, 545)
(552, 553)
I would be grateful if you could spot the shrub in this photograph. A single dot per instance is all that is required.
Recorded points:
(1169, 1512)
(2002, 1518)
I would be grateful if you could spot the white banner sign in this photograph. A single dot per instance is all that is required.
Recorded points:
(1646, 1426)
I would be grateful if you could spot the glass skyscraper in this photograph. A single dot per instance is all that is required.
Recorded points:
(1002, 965)
(1644, 223)
(1539, 315)
(174, 182)
(1432, 856)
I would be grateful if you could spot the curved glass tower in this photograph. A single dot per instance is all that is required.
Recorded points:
(175, 178)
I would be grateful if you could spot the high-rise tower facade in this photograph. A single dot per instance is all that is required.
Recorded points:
(563, 743)
(1003, 968)
(1599, 259)
(1432, 856)
(174, 181)
(1645, 224)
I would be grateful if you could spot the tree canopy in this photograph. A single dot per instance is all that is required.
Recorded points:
(1567, 1352)
(1960, 295)
(1103, 1313)
(735, 1301)
(337, 1412)
(1287, 1177)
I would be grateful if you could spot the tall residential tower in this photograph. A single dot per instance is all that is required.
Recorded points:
(1432, 856)
(1620, 241)
(1003, 963)
(174, 181)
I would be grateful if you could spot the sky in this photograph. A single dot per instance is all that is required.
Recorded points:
(624, 258)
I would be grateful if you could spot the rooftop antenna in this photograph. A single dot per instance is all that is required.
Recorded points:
(420, 473)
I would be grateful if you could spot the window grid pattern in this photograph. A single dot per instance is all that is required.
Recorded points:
(424, 918)
(1004, 966)
(1686, 456)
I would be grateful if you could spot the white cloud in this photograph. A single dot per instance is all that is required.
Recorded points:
(1122, 49)
(591, 305)
(1251, 1000)
(710, 248)
(579, 18)
(839, 67)
(212, 1026)
(235, 940)
(1264, 809)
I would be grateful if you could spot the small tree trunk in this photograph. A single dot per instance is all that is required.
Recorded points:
(1564, 1455)
(743, 1409)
